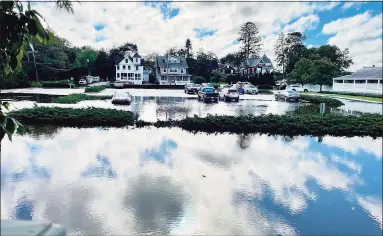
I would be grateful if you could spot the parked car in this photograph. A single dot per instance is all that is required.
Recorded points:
(191, 88)
(297, 88)
(287, 95)
(208, 94)
(228, 94)
(118, 84)
(250, 89)
(122, 98)
(96, 79)
(241, 90)
(82, 82)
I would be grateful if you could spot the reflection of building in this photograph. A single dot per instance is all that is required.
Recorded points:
(254, 66)
(172, 70)
(365, 80)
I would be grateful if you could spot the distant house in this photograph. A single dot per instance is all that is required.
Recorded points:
(172, 70)
(131, 70)
(225, 69)
(253, 66)
(365, 80)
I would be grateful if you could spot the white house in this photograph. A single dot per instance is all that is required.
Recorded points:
(252, 66)
(365, 80)
(131, 70)
(172, 70)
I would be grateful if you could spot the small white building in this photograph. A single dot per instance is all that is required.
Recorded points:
(131, 70)
(365, 80)
(172, 70)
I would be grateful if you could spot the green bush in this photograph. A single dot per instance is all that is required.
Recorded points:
(95, 89)
(77, 97)
(199, 80)
(303, 124)
(15, 80)
(73, 117)
(265, 91)
(36, 84)
(331, 102)
(355, 94)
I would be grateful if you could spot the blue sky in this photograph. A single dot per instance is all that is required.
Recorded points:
(213, 26)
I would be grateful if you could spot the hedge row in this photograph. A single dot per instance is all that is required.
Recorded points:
(56, 85)
(355, 94)
(78, 97)
(330, 124)
(73, 117)
(331, 102)
(265, 91)
(95, 89)
(302, 124)
(152, 86)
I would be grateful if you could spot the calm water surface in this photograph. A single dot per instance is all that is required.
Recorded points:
(171, 182)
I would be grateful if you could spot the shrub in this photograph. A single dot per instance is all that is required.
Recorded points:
(77, 97)
(94, 89)
(199, 80)
(303, 124)
(355, 94)
(56, 85)
(73, 117)
(36, 84)
(265, 91)
(331, 102)
(15, 80)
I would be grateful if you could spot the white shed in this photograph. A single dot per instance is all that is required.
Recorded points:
(365, 80)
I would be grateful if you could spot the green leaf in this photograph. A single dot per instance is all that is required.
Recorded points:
(6, 105)
(3, 119)
(32, 27)
(20, 130)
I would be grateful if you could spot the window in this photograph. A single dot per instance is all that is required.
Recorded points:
(162, 77)
(164, 69)
(372, 81)
(126, 60)
(118, 67)
(178, 78)
(128, 67)
(360, 81)
(118, 75)
(349, 81)
(136, 67)
(131, 76)
(137, 76)
(123, 67)
(182, 71)
(185, 78)
(339, 81)
(172, 69)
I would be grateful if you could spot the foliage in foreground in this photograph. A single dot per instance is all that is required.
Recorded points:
(336, 125)
(74, 117)
(331, 102)
(77, 97)
(95, 89)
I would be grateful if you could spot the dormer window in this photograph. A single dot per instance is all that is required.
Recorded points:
(126, 60)
(182, 71)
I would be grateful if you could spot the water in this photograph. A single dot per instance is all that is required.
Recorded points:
(171, 182)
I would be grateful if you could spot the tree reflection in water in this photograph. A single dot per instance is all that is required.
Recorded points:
(244, 141)
(41, 131)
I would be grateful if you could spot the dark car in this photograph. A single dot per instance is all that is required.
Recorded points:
(208, 94)
(241, 90)
(191, 88)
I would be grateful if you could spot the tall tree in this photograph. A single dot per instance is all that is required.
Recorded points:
(279, 51)
(188, 48)
(251, 41)
(234, 59)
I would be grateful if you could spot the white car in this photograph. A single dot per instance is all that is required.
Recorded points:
(82, 82)
(118, 84)
(122, 98)
(96, 79)
(228, 94)
(250, 89)
(297, 88)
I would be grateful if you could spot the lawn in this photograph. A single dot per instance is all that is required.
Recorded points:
(361, 97)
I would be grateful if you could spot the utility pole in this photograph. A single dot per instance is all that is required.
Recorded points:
(167, 67)
(34, 60)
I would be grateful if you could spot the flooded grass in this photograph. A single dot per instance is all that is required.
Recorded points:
(78, 97)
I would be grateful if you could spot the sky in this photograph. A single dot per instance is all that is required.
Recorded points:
(213, 26)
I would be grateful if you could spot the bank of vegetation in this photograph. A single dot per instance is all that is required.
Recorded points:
(95, 89)
(291, 124)
(73, 117)
(331, 102)
(373, 95)
(77, 97)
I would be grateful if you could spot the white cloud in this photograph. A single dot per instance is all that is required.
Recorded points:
(302, 24)
(361, 34)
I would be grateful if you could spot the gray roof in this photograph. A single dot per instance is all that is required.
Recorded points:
(136, 55)
(252, 62)
(366, 73)
(161, 62)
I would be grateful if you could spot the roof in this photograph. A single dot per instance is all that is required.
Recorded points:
(366, 73)
(131, 59)
(161, 62)
(252, 62)
(136, 55)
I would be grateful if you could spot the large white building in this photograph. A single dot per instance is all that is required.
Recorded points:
(365, 80)
(172, 70)
(131, 70)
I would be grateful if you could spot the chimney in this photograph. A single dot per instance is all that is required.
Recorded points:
(373, 65)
